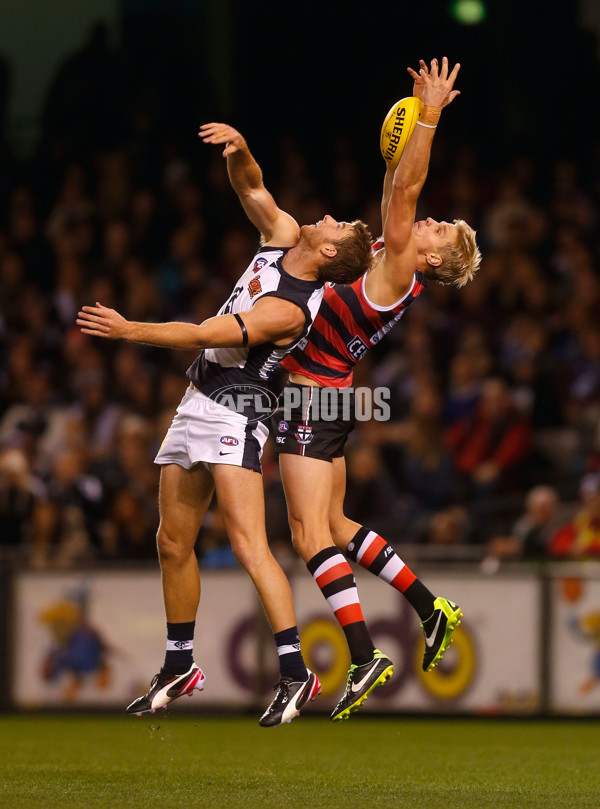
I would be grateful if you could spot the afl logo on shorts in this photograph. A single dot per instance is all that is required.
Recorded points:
(283, 427)
(229, 441)
(259, 264)
(304, 434)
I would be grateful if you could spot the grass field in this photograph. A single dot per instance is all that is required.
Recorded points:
(190, 761)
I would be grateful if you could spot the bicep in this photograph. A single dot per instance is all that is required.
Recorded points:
(274, 320)
(221, 331)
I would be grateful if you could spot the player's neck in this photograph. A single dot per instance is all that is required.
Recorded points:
(300, 263)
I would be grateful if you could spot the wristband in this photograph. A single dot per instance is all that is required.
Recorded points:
(427, 126)
(429, 116)
(243, 328)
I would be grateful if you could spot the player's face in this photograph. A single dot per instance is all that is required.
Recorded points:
(432, 236)
(327, 229)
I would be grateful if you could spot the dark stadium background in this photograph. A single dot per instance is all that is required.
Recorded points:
(308, 84)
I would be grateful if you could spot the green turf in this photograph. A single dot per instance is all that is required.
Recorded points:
(189, 761)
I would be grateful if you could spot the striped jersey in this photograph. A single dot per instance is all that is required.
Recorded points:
(346, 327)
(227, 368)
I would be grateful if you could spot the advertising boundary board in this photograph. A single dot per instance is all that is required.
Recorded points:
(92, 639)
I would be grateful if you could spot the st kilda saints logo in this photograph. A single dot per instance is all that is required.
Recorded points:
(304, 434)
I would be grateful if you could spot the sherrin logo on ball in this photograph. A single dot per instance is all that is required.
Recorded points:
(397, 128)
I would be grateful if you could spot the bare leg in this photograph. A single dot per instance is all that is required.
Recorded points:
(308, 487)
(373, 552)
(184, 498)
(241, 500)
(342, 529)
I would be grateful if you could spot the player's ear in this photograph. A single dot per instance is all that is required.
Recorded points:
(329, 250)
(434, 259)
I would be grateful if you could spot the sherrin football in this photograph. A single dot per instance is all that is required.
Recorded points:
(398, 127)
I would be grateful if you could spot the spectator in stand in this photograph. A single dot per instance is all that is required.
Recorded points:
(464, 387)
(371, 495)
(451, 526)
(19, 492)
(580, 538)
(491, 447)
(532, 532)
(414, 452)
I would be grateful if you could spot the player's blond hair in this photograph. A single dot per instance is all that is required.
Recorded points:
(460, 261)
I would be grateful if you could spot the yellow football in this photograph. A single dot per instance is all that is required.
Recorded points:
(398, 127)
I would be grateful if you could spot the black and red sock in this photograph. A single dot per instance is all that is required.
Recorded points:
(334, 577)
(377, 556)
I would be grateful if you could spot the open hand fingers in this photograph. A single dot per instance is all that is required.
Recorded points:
(214, 133)
(90, 318)
(95, 332)
(93, 327)
(422, 67)
(454, 73)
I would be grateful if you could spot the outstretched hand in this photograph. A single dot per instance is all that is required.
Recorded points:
(435, 85)
(100, 321)
(419, 83)
(222, 133)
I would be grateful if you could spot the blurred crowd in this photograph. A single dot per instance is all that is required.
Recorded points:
(494, 441)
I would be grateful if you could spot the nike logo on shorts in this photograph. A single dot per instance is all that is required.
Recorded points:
(225, 453)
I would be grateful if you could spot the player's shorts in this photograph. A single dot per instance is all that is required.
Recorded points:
(306, 432)
(206, 432)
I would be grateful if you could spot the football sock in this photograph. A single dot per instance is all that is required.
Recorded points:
(336, 581)
(291, 663)
(180, 647)
(377, 556)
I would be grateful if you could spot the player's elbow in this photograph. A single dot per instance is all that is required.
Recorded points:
(200, 338)
(406, 188)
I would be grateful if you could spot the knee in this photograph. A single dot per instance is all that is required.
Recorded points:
(309, 537)
(172, 549)
(249, 553)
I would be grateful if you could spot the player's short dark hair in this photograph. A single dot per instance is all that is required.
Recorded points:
(353, 257)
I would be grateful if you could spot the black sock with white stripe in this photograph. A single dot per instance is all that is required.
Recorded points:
(291, 662)
(180, 647)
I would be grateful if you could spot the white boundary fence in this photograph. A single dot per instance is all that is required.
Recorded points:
(529, 642)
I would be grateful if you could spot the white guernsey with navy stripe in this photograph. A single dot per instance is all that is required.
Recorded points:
(230, 368)
(222, 421)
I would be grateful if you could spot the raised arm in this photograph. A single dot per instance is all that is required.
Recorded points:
(412, 168)
(388, 179)
(276, 227)
(270, 319)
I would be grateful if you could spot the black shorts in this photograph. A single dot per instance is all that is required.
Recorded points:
(319, 426)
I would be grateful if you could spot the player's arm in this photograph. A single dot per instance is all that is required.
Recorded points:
(388, 179)
(276, 226)
(412, 168)
(270, 319)
(388, 182)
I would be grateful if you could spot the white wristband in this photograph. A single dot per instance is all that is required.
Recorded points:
(428, 126)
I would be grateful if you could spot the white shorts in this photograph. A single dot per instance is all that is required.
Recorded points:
(204, 431)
